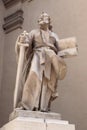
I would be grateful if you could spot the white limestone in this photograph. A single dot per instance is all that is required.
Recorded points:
(28, 123)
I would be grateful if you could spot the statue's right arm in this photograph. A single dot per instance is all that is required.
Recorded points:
(25, 38)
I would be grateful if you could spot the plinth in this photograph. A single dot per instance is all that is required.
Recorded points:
(32, 120)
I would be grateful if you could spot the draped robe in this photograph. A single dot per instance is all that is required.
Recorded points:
(41, 71)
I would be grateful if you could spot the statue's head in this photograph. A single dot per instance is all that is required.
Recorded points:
(44, 19)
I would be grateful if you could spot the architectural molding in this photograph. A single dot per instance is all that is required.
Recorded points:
(13, 21)
(9, 3)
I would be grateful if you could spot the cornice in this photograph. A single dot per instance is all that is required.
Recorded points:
(9, 3)
(13, 21)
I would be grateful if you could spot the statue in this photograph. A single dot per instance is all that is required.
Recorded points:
(40, 56)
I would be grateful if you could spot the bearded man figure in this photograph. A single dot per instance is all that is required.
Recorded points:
(42, 67)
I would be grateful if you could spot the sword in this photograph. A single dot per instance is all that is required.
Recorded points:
(22, 43)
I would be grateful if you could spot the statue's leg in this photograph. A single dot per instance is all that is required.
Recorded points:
(45, 95)
(55, 64)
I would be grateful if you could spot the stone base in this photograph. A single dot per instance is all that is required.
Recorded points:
(35, 114)
(34, 123)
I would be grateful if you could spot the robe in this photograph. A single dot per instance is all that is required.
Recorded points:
(41, 72)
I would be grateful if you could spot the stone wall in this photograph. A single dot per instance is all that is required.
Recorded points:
(2, 10)
(68, 19)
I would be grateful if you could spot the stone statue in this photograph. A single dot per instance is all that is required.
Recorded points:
(40, 57)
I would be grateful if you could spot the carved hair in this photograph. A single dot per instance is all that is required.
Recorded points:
(43, 14)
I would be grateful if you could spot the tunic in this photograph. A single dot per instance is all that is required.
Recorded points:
(41, 70)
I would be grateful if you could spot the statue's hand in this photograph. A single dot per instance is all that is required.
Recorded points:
(23, 39)
(21, 44)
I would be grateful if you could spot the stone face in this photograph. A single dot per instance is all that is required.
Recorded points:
(34, 114)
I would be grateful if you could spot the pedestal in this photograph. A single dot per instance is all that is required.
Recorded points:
(43, 122)
(34, 114)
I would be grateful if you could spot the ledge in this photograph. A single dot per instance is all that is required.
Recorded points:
(34, 114)
(9, 3)
(13, 21)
